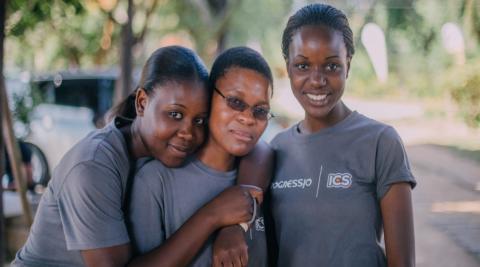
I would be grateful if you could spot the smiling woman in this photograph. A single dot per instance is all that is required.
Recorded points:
(317, 57)
(341, 178)
(163, 134)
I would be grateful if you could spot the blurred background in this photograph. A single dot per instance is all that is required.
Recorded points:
(416, 67)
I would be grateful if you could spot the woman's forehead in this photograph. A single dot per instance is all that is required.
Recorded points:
(317, 37)
(246, 82)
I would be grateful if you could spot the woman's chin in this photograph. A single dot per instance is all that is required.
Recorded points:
(240, 150)
(172, 162)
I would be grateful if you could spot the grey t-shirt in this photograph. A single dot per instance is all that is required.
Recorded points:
(326, 192)
(164, 198)
(82, 206)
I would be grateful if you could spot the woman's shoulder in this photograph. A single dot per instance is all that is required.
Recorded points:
(282, 137)
(104, 145)
(102, 148)
(380, 133)
(359, 123)
(150, 172)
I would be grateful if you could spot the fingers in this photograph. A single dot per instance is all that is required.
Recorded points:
(216, 261)
(257, 194)
(250, 198)
(223, 261)
(237, 262)
(231, 259)
(259, 198)
(244, 259)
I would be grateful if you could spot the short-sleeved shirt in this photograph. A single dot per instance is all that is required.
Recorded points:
(327, 188)
(164, 198)
(82, 205)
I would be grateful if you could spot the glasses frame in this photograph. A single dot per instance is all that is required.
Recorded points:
(270, 115)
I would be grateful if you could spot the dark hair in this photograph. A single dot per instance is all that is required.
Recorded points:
(242, 57)
(318, 14)
(166, 64)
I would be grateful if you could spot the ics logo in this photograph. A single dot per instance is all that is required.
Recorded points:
(339, 180)
(259, 224)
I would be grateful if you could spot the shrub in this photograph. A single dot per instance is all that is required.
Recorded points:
(466, 94)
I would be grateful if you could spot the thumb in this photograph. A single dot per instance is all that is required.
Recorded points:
(257, 194)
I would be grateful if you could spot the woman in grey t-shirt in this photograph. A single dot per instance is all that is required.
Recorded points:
(167, 198)
(341, 178)
(80, 219)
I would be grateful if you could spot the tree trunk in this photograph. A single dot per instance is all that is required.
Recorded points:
(221, 42)
(124, 83)
(219, 9)
(11, 143)
(3, 5)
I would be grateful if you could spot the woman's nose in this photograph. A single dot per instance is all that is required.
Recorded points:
(317, 78)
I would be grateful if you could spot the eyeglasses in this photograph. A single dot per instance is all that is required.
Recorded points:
(259, 113)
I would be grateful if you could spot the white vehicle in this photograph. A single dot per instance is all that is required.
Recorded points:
(70, 106)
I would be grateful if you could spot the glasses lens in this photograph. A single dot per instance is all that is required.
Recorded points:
(236, 104)
(261, 113)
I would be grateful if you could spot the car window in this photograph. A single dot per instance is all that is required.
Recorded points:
(96, 94)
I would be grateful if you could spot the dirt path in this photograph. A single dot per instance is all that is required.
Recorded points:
(446, 206)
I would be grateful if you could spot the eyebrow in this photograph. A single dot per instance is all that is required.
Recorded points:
(180, 105)
(235, 90)
(334, 56)
(302, 56)
(329, 57)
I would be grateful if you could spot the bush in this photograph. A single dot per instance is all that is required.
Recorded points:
(466, 94)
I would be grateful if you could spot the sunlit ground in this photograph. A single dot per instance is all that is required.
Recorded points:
(460, 206)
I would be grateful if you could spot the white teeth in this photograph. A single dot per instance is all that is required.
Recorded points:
(316, 97)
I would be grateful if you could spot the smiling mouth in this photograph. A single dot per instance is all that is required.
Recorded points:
(179, 150)
(242, 135)
(316, 97)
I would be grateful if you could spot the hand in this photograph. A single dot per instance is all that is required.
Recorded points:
(230, 248)
(257, 194)
(232, 206)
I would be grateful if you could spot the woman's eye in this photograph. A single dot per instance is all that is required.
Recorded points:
(175, 115)
(332, 67)
(200, 121)
(301, 66)
(236, 104)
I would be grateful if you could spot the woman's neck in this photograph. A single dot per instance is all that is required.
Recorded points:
(133, 139)
(311, 124)
(215, 157)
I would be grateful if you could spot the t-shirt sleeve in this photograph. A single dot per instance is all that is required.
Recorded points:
(274, 142)
(146, 210)
(391, 163)
(90, 207)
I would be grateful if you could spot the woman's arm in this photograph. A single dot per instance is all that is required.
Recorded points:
(397, 217)
(107, 257)
(230, 207)
(256, 169)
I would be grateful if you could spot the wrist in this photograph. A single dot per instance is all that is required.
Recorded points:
(209, 217)
(232, 229)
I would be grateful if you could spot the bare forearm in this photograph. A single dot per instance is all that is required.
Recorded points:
(230, 207)
(398, 226)
(256, 167)
(179, 249)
